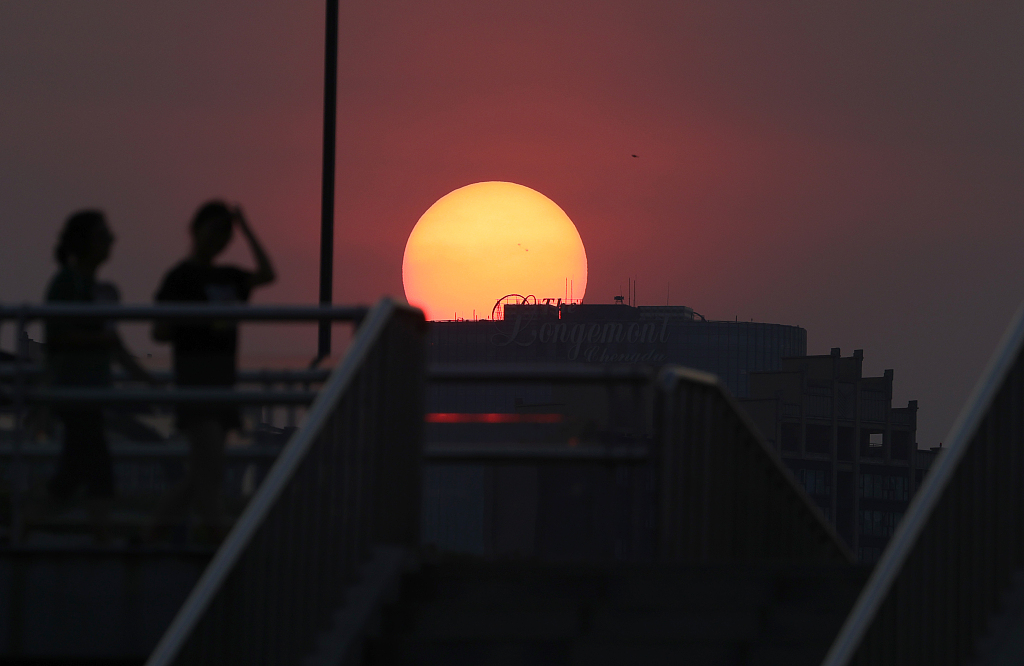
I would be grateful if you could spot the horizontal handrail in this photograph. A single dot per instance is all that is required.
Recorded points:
(157, 450)
(927, 506)
(72, 551)
(163, 312)
(317, 376)
(519, 453)
(262, 376)
(540, 372)
(172, 396)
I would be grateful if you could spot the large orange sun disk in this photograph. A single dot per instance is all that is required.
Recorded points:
(487, 240)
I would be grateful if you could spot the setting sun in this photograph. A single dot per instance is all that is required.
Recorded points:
(487, 240)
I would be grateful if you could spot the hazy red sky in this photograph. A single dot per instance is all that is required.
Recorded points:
(855, 169)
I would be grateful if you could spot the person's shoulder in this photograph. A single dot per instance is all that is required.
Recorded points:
(65, 286)
(232, 274)
(106, 292)
(181, 269)
(177, 279)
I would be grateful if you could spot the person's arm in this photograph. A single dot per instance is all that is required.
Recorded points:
(264, 270)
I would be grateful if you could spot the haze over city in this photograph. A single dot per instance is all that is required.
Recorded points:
(854, 170)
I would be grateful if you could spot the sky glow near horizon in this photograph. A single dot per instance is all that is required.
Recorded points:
(852, 168)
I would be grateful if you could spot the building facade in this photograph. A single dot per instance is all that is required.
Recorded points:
(853, 452)
(656, 335)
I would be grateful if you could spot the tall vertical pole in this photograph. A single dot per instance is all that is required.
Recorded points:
(327, 186)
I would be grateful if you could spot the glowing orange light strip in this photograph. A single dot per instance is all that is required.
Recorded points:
(441, 417)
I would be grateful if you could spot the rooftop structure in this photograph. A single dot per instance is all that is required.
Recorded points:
(558, 332)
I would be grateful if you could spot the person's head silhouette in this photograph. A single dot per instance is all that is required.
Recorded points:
(84, 241)
(211, 230)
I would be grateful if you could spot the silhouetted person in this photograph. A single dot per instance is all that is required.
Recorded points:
(79, 353)
(205, 355)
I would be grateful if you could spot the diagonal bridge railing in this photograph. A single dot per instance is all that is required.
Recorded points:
(348, 480)
(943, 575)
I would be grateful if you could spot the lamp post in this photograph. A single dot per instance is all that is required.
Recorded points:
(327, 186)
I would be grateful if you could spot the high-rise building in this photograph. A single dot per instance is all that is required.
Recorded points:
(837, 430)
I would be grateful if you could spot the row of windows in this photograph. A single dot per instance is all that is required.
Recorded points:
(814, 481)
(821, 407)
(879, 523)
(884, 486)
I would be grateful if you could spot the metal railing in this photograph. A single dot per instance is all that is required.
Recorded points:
(578, 487)
(718, 492)
(937, 584)
(347, 480)
(19, 392)
(350, 479)
(724, 494)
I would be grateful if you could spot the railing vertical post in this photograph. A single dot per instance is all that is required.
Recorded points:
(663, 490)
(17, 459)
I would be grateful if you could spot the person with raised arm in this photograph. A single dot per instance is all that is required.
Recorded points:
(205, 355)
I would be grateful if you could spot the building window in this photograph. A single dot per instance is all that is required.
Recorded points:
(845, 443)
(814, 481)
(790, 436)
(819, 439)
(879, 523)
(900, 445)
(871, 444)
(884, 486)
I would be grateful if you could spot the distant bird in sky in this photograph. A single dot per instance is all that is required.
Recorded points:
(634, 156)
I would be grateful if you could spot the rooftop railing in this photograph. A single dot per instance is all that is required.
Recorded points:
(939, 581)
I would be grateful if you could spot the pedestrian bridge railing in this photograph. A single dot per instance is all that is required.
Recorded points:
(672, 465)
(704, 485)
(348, 480)
(934, 590)
(23, 386)
(723, 493)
